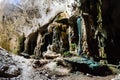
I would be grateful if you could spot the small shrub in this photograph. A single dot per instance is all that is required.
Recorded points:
(73, 46)
(66, 54)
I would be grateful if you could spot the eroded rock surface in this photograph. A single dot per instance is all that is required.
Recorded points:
(21, 19)
(15, 67)
(8, 67)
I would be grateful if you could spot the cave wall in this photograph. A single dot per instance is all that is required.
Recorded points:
(23, 23)
(110, 28)
(21, 18)
(111, 16)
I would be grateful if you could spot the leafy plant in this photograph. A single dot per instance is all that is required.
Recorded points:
(66, 54)
(73, 46)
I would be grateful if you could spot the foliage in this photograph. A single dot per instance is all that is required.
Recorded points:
(21, 40)
(66, 54)
(73, 46)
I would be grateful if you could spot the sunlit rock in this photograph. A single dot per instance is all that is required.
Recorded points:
(18, 17)
(8, 67)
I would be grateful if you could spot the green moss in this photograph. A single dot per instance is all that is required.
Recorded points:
(9, 37)
(66, 54)
(4, 41)
(9, 40)
(5, 44)
(73, 46)
(113, 69)
(21, 40)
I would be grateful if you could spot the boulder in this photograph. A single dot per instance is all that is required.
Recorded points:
(8, 67)
(51, 55)
(57, 70)
(87, 65)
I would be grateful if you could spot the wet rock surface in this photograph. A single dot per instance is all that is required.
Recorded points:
(89, 66)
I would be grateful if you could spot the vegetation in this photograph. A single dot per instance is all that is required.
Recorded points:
(21, 40)
(66, 54)
(73, 46)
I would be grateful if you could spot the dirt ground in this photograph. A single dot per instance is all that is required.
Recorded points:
(84, 77)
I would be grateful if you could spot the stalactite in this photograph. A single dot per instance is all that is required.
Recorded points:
(79, 26)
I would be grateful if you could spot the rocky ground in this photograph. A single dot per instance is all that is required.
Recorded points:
(14, 67)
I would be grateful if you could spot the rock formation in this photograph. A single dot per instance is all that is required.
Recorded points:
(20, 22)
(33, 27)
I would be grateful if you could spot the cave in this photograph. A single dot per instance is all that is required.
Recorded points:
(59, 39)
(110, 23)
(92, 12)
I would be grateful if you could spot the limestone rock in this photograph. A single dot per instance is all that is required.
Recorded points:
(40, 63)
(51, 55)
(57, 70)
(86, 65)
(8, 67)
(117, 77)
(23, 17)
